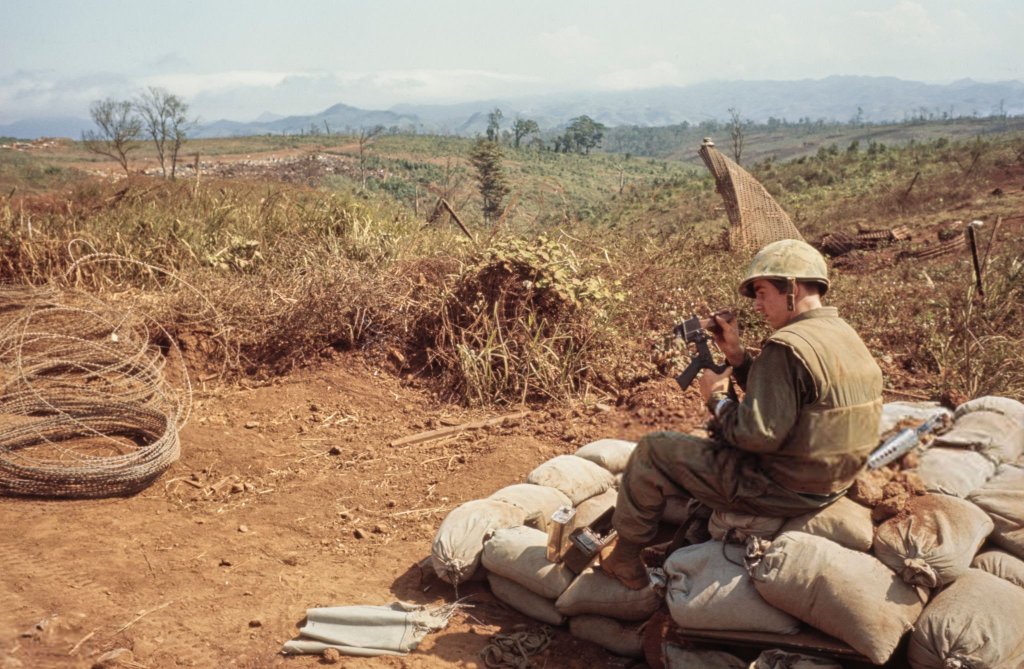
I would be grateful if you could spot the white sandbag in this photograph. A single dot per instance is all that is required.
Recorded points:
(954, 471)
(780, 659)
(459, 541)
(738, 527)
(847, 594)
(612, 454)
(520, 554)
(975, 623)
(591, 509)
(1001, 564)
(610, 634)
(1002, 498)
(709, 589)
(1004, 405)
(689, 658)
(844, 521)
(933, 542)
(918, 412)
(537, 501)
(594, 592)
(522, 600)
(998, 436)
(579, 479)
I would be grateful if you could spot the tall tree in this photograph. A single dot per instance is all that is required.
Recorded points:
(736, 134)
(583, 134)
(521, 128)
(490, 177)
(118, 130)
(494, 125)
(366, 136)
(165, 119)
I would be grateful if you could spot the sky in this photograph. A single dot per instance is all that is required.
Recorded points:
(238, 60)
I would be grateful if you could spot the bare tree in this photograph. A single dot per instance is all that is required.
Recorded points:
(119, 128)
(736, 133)
(164, 119)
(366, 136)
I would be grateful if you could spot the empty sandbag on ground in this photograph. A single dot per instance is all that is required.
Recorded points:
(460, 539)
(677, 657)
(847, 594)
(594, 592)
(780, 659)
(845, 522)
(1002, 498)
(528, 603)
(579, 479)
(538, 502)
(1001, 564)
(738, 527)
(954, 471)
(934, 542)
(709, 589)
(612, 454)
(975, 623)
(610, 634)
(520, 554)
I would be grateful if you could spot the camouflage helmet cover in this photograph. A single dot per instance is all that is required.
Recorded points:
(786, 259)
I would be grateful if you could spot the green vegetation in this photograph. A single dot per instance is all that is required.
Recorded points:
(596, 257)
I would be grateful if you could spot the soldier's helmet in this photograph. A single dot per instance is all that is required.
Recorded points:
(786, 259)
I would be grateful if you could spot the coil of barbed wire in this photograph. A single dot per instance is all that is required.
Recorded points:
(86, 409)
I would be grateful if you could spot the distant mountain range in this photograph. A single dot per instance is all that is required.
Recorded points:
(836, 98)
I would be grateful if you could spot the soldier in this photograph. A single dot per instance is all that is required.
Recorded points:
(794, 444)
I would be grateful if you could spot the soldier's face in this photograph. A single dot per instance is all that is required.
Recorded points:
(772, 303)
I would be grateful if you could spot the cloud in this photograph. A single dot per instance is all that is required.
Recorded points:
(904, 21)
(661, 73)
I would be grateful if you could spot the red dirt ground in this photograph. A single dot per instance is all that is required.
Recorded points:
(258, 519)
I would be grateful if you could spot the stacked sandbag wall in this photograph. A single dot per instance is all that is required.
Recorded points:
(865, 569)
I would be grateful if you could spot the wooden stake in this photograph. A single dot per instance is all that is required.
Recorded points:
(455, 429)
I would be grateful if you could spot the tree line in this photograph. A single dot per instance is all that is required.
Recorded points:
(155, 113)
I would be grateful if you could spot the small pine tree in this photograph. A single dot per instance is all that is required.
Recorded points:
(490, 177)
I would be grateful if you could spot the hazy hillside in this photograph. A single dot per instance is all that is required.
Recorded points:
(836, 98)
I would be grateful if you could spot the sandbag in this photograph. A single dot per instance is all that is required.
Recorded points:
(975, 623)
(596, 593)
(917, 412)
(934, 542)
(954, 471)
(780, 659)
(738, 527)
(847, 594)
(845, 522)
(1003, 405)
(612, 454)
(579, 479)
(520, 554)
(522, 600)
(610, 634)
(709, 589)
(998, 436)
(537, 501)
(1002, 499)
(591, 509)
(1001, 564)
(677, 657)
(460, 539)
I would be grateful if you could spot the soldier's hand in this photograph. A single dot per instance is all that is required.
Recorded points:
(710, 383)
(727, 337)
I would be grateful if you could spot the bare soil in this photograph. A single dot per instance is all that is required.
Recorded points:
(286, 496)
